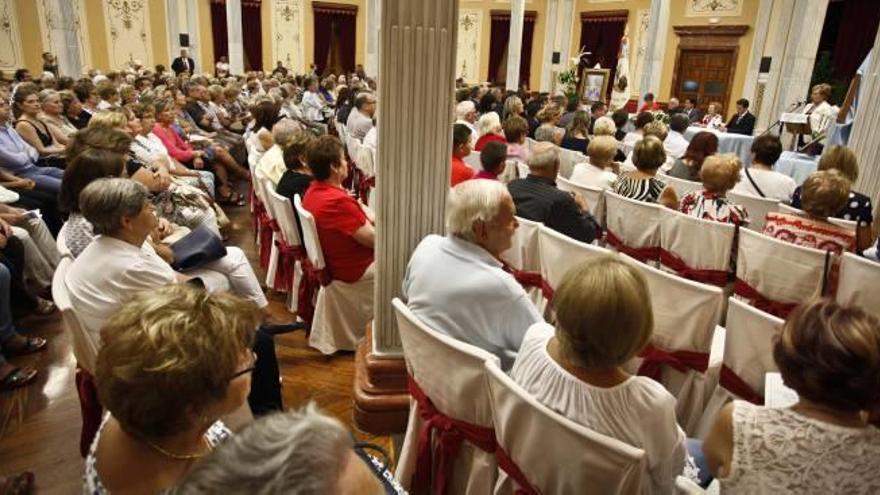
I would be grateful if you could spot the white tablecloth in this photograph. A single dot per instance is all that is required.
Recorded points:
(727, 143)
(798, 166)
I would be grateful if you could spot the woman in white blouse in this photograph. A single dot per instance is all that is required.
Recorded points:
(604, 319)
(830, 355)
(602, 170)
(312, 103)
(821, 113)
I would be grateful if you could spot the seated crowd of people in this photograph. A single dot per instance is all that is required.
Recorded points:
(120, 169)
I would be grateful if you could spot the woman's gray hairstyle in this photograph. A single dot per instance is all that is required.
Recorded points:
(297, 452)
(105, 201)
(284, 131)
(470, 202)
(544, 156)
(604, 127)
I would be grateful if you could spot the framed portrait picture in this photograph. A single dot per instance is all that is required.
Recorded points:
(594, 84)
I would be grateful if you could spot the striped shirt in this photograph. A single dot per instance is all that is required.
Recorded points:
(647, 190)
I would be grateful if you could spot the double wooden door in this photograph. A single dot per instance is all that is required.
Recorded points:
(705, 75)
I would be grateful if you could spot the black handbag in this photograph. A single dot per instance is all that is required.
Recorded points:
(197, 248)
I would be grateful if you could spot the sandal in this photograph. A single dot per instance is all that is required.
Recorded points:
(17, 378)
(44, 307)
(31, 345)
(232, 199)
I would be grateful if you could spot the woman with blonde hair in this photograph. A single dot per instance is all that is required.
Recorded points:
(714, 119)
(602, 170)
(642, 184)
(604, 319)
(173, 361)
(547, 130)
(719, 174)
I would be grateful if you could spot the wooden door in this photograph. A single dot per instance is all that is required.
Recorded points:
(705, 75)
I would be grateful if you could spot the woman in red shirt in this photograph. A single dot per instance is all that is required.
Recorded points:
(490, 129)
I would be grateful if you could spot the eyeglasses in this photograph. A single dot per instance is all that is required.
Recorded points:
(247, 370)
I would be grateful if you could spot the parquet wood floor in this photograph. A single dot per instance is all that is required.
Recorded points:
(40, 424)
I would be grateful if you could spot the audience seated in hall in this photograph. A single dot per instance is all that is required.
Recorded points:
(633, 137)
(22, 160)
(675, 143)
(577, 132)
(26, 109)
(603, 320)
(642, 184)
(516, 130)
(537, 198)
(490, 129)
(461, 147)
(759, 178)
(548, 131)
(858, 207)
(52, 113)
(687, 167)
(457, 285)
(271, 164)
(298, 176)
(719, 174)
(493, 159)
(360, 120)
(830, 355)
(606, 126)
(597, 110)
(466, 114)
(602, 170)
(823, 194)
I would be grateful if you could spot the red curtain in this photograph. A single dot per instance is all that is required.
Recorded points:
(335, 37)
(219, 34)
(498, 45)
(601, 35)
(855, 36)
(252, 35)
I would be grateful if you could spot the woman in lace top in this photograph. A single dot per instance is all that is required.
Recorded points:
(642, 184)
(720, 173)
(830, 355)
(604, 319)
(173, 362)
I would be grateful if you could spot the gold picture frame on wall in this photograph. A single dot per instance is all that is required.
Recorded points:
(594, 84)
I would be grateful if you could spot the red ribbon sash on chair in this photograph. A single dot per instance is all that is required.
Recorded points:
(90, 408)
(713, 277)
(655, 359)
(776, 308)
(508, 466)
(364, 189)
(268, 227)
(529, 280)
(736, 385)
(287, 257)
(643, 254)
(259, 212)
(312, 280)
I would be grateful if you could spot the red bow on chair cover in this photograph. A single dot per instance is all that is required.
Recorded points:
(529, 280)
(259, 212)
(643, 254)
(713, 277)
(312, 280)
(508, 466)
(733, 383)
(776, 308)
(655, 358)
(287, 257)
(364, 189)
(450, 433)
(90, 408)
(268, 227)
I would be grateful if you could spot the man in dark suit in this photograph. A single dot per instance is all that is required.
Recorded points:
(537, 198)
(690, 109)
(743, 122)
(183, 63)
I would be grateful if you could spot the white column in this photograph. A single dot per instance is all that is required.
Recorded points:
(549, 46)
(415, 148)
(566, 26)
(234, 38)
(753, 88)
(658, 26)
(373, 23)
(514, 43)
(866, 128)
(192, 28)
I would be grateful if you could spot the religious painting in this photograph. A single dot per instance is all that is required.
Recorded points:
(594, 84)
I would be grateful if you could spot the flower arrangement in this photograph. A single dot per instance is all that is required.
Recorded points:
(661, 116)
(568, 79)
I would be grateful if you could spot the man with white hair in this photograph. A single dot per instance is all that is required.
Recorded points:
(457, 285)
(271, 164)
(466, 113)
(537, 198)
(360, 119)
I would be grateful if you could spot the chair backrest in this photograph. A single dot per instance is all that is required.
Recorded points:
(560, 252)
(635, 223)
(593, 195)
(840, 222)
(446, 369)
(524, 253)
(778, 270)
(579, 458)
(285, 217)
(681, 186)
(855, 285)
(757, 207)
(85, 349)
(364, 160)
(473, 161)
(567, 161)
(701, 244)
(522, 169)
(529, 143)
(748, 343)
(353, 146)
(510, 171)
(310, 234)
(790, 210)
(61, 245)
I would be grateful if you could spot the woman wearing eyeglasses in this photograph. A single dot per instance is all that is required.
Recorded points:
(174, 361)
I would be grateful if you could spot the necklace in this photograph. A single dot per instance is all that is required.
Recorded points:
(172, 455)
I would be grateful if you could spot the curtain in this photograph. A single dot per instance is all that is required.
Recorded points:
(499, 41)
(855, 36)
(219, 34)
(601, 35)
(252, 35)
(335, 37)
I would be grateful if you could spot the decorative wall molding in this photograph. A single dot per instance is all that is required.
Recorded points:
(714, 8)
(11, 56)
(287, 29)
(128, 32)
(470, 26)
(64, 34)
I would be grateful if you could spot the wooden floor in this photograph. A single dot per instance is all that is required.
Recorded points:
(40, 424)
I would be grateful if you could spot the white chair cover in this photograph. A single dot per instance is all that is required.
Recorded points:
(342, 310)
(685, 316)
(748, 353)
(791, 210)
(593, 195)
(452, 375)
(684, 486)
(567, 161)
(263, 186)
(61, 245)
(635, 223)
(700, 244)
(510, 171)
(522, 169)
(757, 207)
(681, 186)
(290, 235)
(365, 160)
(85, 347)
(525, 255)
(856, 283)
(779, 271)
(560, 252)
(573, 459)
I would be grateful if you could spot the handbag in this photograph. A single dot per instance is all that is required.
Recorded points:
(199, 247)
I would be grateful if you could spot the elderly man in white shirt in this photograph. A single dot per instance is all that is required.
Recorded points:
(675, 143)
(457, 285)
(271, 164)
(360, 119)
(466, 113)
